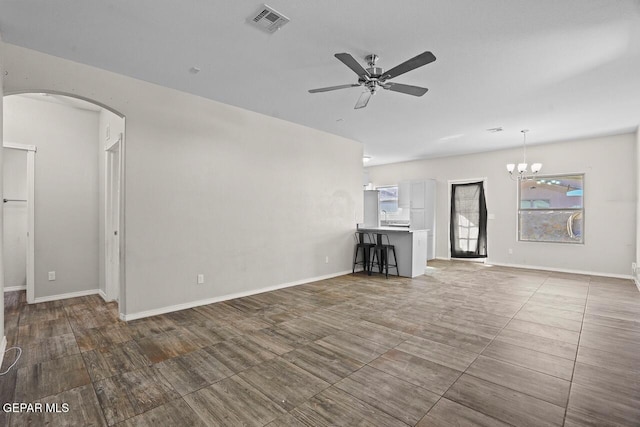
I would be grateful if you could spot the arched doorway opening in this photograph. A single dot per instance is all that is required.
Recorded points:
(77, 226)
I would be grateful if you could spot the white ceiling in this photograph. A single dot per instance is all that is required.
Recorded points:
(563, 68)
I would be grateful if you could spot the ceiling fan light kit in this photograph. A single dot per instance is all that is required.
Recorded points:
(374, 77)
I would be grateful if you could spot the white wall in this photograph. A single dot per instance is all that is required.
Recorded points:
(14, 237)
(247, 200)
(609, 166)
(66, 197)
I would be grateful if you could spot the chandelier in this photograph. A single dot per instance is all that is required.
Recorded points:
(522, 167)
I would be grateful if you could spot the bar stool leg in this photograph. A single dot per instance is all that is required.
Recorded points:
(386, 262)
(372, 261)
(355, 259)
(365, 258)
(395, 260)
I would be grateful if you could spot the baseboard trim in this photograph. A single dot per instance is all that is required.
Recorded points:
(65, 296)
(562, 270)
(3, 347)
(192, 304)
(103, 295)
(635, 279)
(15, 288)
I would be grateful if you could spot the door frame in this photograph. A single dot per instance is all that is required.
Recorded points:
(462, 181)
(113, 222)
(31, 173)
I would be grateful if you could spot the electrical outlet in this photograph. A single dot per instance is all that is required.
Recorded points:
(634, 267)
(510, 251)
(326, 259)
(52, 275)
(200, 279)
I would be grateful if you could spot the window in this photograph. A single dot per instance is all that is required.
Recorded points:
(551, 209)
(388, 198)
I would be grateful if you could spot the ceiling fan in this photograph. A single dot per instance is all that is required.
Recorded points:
(374, 78)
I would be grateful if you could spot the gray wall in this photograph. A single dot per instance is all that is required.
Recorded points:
(249, 201)
(66, 197)
(609, 165)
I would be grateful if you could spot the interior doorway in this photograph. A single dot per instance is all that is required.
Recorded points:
(18, 209)
(81, 154)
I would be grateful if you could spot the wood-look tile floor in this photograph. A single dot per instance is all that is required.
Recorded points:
(466, 344)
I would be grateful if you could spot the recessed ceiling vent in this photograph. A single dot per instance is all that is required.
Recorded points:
(268, 19)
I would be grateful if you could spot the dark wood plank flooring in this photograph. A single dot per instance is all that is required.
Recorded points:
(465, 344)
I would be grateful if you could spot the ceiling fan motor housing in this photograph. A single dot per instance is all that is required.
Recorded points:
(375, 71)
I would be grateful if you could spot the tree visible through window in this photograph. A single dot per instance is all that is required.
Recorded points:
(551, 209)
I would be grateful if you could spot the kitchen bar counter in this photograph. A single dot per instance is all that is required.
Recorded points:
(411, 248)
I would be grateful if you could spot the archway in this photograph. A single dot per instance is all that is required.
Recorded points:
(68, 197)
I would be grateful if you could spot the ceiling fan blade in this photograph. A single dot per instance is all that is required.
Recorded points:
(363, 100)
(327, 89)
(408, 89)
(417, 61)
(351, 62)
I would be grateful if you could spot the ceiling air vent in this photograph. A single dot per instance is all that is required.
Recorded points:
(268, 19)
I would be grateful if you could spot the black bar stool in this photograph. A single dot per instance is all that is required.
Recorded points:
(364, 242)
(381, 252)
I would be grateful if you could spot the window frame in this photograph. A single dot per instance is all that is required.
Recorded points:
(519, 208)
(397, 187)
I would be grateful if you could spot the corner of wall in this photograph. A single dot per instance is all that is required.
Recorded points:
(636, 276)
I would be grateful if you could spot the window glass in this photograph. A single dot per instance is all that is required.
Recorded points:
(388, 198)
(551, 209)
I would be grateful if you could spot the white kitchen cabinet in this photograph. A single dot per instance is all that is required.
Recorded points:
(417, 219)
(423, 211)
(404, 194)
(417, 194)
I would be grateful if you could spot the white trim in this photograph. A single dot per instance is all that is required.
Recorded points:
(3, 348)
(192, 304)
(15, 288)
(635, 279)
(31, 231)
(16, 146)
(109, 145)
(68, 295)
(30, 254)
(562, 270)
(111, 221)
(103, 295)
